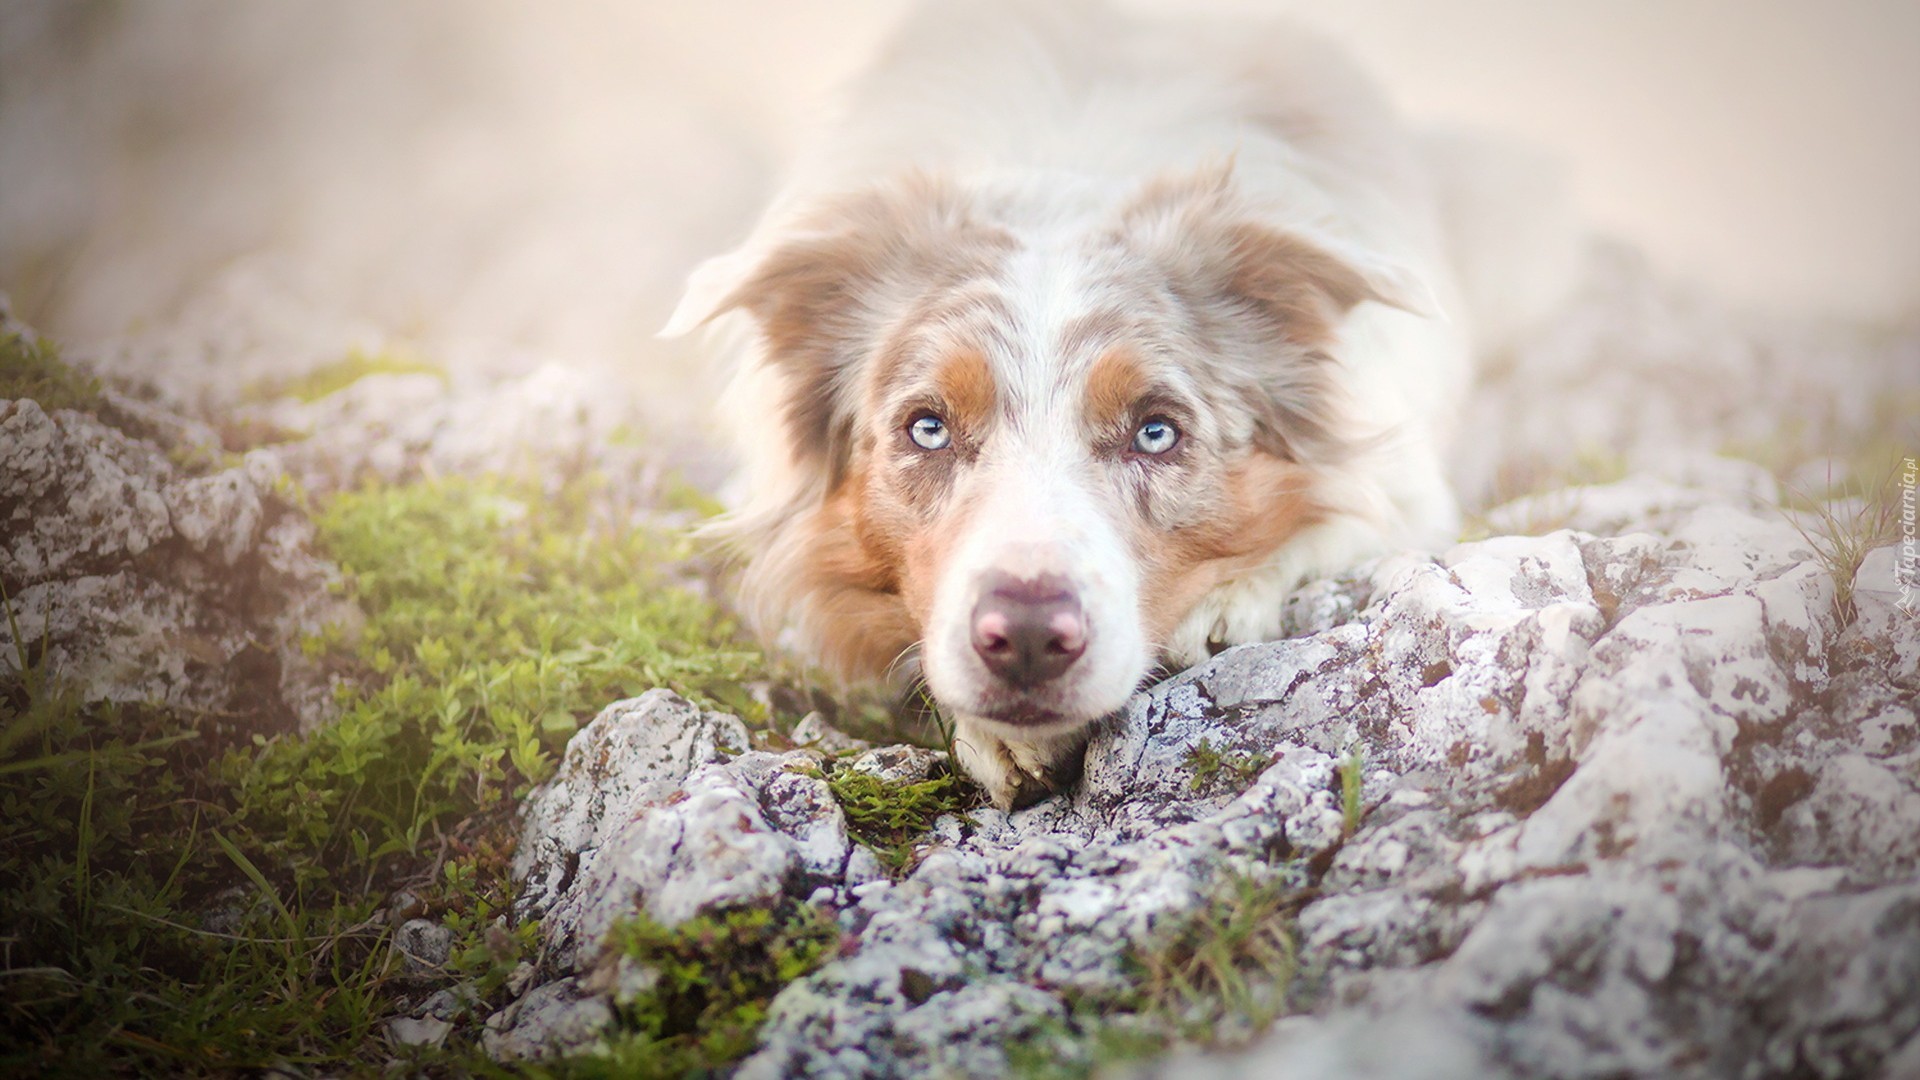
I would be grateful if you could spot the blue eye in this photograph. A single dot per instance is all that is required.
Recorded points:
(929, 433)
(1156, 436)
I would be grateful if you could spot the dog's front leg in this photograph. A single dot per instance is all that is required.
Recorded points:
(1017, 772)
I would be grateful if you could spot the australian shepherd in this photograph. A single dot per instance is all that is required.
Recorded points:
(1074, 345)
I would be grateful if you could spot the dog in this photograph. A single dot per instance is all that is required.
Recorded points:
(1077, 342)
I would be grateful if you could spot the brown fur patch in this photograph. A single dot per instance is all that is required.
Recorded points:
(1222, 254)
(1114, 384)
(1301, 288)
(1267, 502)
(965, 383)
(852, 602)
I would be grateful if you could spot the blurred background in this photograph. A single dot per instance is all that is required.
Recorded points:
(201, 191)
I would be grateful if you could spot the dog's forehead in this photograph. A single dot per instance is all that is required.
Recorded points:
(1082, 328)
(1056, 332)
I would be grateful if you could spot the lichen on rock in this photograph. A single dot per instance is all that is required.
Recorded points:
(1576, 854)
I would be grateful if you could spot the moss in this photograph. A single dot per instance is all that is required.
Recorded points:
(708, 982)
(30, 367)
(1086, 1046)
(891, 818)
(499, 615)
(329, 379)
(198, 459)
(499, 618)
(1212, 768)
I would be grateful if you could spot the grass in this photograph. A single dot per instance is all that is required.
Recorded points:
(30, 367)
(1217, 977)
(889, 818)
(1352, 777)
(1846, 522)
(115, 840)
(330, 379)
(175, 904)
(1088, 1045)
(1211, 768)
(1231, 961)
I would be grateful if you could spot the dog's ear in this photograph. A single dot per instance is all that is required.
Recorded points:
(1306, 282)
(825, 288)
(1210, 239)
(1269, 300)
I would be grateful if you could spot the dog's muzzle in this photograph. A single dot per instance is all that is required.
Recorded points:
(1028, 631)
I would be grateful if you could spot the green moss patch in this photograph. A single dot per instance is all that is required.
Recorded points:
(698, 992)
(1214, 769)
(499, 618)
(174, 905)
(329, 379)
(890, 818)
(30, 367)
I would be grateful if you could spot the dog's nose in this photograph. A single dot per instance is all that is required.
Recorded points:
(1028, 630)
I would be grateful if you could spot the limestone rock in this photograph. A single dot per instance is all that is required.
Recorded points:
(143, 580)
(1614, 818)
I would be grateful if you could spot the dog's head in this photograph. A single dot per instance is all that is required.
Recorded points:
(1027, 444)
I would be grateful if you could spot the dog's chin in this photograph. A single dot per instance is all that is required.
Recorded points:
(1016, 714)
(1030, 717)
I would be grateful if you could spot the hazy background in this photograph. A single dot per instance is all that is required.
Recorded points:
(260, 184)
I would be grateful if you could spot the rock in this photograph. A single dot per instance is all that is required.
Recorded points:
(217, 515)
(1886, 598)
(144, 581)
(552, 1020)
(814, 733)
(418, 1031)
(405, 904)
(1859, 814)
(1616, 816)
(424, 945)
(446, 1004)
(1658, 378)
(80, 496)
(900, 764)
(632, 757)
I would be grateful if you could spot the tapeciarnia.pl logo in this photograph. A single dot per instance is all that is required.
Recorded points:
(1909, 561)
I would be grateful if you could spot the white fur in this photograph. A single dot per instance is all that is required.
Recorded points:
(1055, 114)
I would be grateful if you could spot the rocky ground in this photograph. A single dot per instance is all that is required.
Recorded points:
(1631, 786)
(1634, 800)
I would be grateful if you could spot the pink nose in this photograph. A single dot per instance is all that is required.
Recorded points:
(1028, 631)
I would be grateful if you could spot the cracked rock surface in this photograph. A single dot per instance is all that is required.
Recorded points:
(1636, 801)
(147, 581)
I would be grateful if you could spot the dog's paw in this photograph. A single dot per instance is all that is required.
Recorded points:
(1018, 773)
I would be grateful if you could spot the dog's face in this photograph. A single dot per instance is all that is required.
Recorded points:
(1029, 446)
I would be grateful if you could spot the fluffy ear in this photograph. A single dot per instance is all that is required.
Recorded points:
(1269, 299)
(1299, 277)
(824, 290)
(708, 288)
